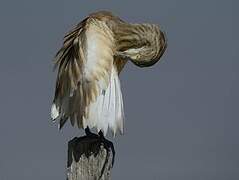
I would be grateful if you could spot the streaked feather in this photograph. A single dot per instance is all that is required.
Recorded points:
(94, 52)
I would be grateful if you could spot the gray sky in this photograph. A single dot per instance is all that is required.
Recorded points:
(181, 114)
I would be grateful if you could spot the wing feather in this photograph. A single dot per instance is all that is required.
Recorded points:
(84, 67)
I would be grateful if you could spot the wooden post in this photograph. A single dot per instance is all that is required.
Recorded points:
(90, 158)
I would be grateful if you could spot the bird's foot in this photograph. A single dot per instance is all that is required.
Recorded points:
(101, 134)
(89, 133)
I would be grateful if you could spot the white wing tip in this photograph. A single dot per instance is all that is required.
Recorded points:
(54, 112)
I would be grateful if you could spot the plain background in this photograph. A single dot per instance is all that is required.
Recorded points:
(181, 114)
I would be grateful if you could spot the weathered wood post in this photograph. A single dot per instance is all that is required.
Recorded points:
(90, 158)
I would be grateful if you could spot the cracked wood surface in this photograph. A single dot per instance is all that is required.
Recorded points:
(90, 158)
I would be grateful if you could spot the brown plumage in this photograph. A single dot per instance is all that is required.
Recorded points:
(87, 88)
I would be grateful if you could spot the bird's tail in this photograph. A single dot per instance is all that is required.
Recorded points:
(107, 111)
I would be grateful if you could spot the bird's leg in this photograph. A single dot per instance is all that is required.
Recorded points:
(101, 134)
(88, 132)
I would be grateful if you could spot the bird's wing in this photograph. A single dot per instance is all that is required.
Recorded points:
(84, 66)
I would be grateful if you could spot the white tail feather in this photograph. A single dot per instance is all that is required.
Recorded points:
(107, 111)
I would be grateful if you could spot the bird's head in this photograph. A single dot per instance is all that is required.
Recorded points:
(147, 47)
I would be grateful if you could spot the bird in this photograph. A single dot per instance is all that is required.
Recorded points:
(94, 52)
